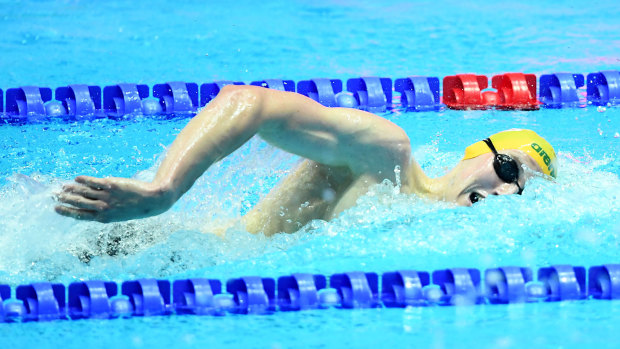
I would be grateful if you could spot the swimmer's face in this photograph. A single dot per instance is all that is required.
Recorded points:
(476, 178)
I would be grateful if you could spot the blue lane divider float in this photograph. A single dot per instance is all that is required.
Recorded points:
(374, 94)
(42, 301)
(507, 284)
(252, 295)
(404, 288)
(603, 88)
(459, 286)
(177, 97)
(560, 90)
(5, 292)
(124, 99)
(91, 299)
(80, 101)
(45, 301)
(357, 289)
(196, 296)
(321, 90)
(27, 103)
(148, 296)
(276, 84)
(300, 291)
(604, 281)
(10, 309)
(419, 93)
(564, 282)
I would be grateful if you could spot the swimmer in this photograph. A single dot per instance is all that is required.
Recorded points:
(345, 152)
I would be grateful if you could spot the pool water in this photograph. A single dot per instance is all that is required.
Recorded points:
(573, 220)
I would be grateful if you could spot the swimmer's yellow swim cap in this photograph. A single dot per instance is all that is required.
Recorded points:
(527, 141)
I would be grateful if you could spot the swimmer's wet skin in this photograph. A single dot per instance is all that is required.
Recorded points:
(345, 150)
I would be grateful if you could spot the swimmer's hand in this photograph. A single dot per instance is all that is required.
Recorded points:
(111, 199)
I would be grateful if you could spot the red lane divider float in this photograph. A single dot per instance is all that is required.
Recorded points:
(514, 91)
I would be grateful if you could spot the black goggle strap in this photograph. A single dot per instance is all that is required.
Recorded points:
(505, 166)
(490, 145)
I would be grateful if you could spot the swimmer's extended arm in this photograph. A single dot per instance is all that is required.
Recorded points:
(363, 142)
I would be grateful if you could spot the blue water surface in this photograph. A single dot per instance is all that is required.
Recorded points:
(573, 220)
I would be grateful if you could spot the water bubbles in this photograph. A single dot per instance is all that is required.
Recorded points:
(328, 194)
(397, 175)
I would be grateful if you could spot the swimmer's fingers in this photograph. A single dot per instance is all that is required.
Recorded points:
(82, 202)
(76, 213)
(85, 191)
(93, 182)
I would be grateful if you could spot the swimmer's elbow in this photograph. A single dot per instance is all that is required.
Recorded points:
(243, 100)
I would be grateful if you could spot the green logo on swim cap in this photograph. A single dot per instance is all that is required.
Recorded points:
(546, 159)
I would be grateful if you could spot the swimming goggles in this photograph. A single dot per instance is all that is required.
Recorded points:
(505, 166)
